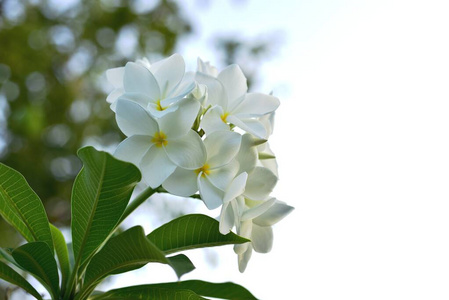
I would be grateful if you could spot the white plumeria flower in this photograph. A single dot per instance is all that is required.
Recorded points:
(248, 154)
(157, 87)
(257, 185)
(231, 104)
(230, 212)
(256, 220)
(267, 158)
(115, 77)
(206, 68)
(158, 146)
(212, 178)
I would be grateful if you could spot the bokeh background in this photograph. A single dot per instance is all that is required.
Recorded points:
(361, 136)
(53, 56)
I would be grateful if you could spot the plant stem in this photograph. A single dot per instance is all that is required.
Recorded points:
(79, 270)
(147, 193)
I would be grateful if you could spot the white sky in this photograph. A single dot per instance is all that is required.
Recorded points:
(362, 140)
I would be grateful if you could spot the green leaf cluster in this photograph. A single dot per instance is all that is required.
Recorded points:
(100, 201)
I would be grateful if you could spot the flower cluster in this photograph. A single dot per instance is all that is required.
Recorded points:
(202, 132)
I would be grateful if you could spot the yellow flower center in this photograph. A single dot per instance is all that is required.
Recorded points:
(160, 139)
(159, 107)
(204, 170)
(224, 116)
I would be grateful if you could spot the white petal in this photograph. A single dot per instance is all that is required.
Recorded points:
(140, 98)
(153, 109)
(156, 166)
(179, 122)
(186, 86)
(138, 79)
(210, 194)
(133, 148)
(261, 182)
(222, 147)
(276, 213)
(268, 121)
(215, 90)
(113, 96)
(244, 230)
(256, 104)
(244, 258)
(222, 177)
(255, 211)
(247, 156)
(187, 152)
(252, 126)
(212, 121)
(169, 73)
(271, 163)
(181, 182)
(234, 82)
(144, 62)
(206, 68)
(115, 76)
(133, 119)
(241, 248)
(236, 187)
(262, 238)
(227, 218)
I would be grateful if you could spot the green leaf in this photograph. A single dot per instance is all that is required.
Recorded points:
(226, 290)
(62, 253)
(181, 264)
(8, 274)
(127, 251)
(148, 292)
(100, 194)
(22, 208)
(37, 258)
(190, 232)
(5, 253)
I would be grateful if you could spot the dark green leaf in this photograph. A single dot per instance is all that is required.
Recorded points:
(191, 231)
(61, 252)
(181, 264)
(22, 208)
(127, 251)
(100, 194)
(5, 253)
(36, 258)
(148, 292)
(8, 274)
(226, 290)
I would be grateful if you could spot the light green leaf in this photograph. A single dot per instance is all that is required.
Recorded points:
(191, 231)
(5, 253)
(127, 251)
(36, 258)
(100, 194)
(61, 252)
(181, 264)
(226, 290)
(21, 207)
(148, 292)
(8, 274)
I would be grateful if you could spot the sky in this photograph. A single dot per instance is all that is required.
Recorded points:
(361, 138)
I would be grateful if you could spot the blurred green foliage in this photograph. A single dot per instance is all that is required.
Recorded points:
(53, 55)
